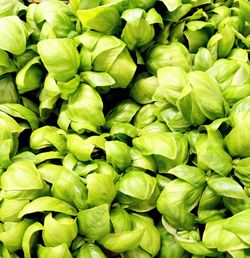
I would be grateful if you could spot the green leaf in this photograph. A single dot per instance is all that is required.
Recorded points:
(65, 88)
(54, 252)
(196, 39)
(19, 111)
(192, 175)
(105, 168)
(155, 127)
(176, 201)
(122, 113)
(60, 57)
(169, 246)
(229, 241)
(56, 16)
(30, 76)
(97, 79)
(195, 247)
(151, 238)
(59, 229)
(174, 54)
(107, 53)
(138, 30)
(236, 205)
(47, 136)
(238, 225)
(227, 41)
(118, 154)
(12, 234)
(193, 115)
(154, 17)
(47, 203)
(212, 233)
(101, 189)
(156, 143)
(211, 153)
(226, 187)
(177, 217)
(87, 99)
(216, 236)
(120, 130)
(178, 13)
(9, 209)
(121, 220)
(243, 253)
(187, 197)
(29, 238)
(137, 252)
(144, 4)
(105, 19)
(175, 120)
(13, 35)
(203, 60)
(79, 4)
(121, 242)
(83, 153)
(8, 93)
(49, 172)
(143, 89)
(172, 4)
(164, 144)
(8, 8)
(141, 161)
(145, 116)
(94, 223)
(211, 101)
(6, 64)
(223, 69)
(237, 142)
(137, 184)
(139, 205)
(242, 167)
(69, 187)
(89, 251)
(245, 9)
(21, 175)
(210, 206)
(172, 80)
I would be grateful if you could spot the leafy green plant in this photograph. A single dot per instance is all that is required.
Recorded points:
(124, 129)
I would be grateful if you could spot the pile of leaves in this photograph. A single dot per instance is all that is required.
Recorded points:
(125, 129)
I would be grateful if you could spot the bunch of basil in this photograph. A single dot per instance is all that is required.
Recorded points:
(124, 129)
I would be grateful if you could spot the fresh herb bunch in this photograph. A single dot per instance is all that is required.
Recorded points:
(124, 129)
